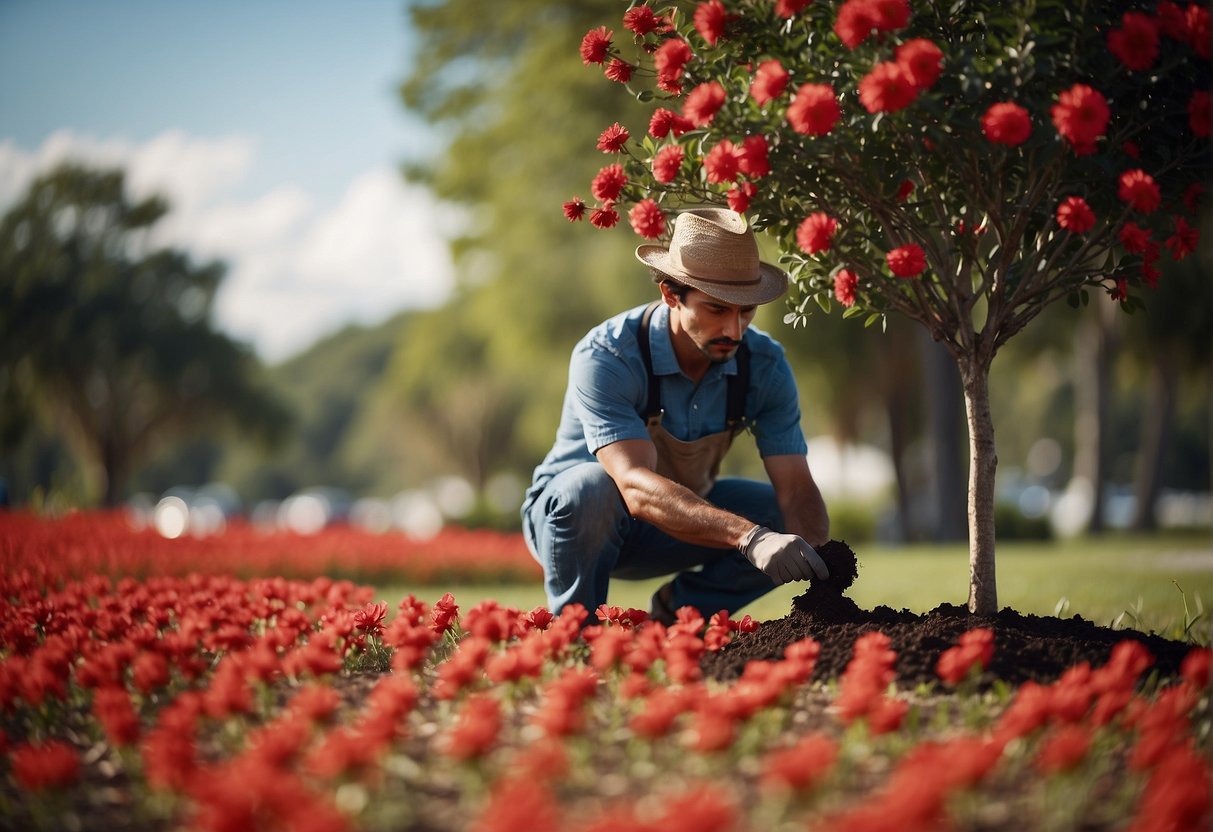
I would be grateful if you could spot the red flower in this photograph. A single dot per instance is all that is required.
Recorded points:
(1183, 242)
(703, 102)
(723, 162)
(856, 20)
(1192, 197)
(1006, 123)
(814, 110)
(47, 766)
(1134, 239)
(790, 8)
(619, 71)
(1131, 150)
(477, 728)
(1171, 21)
(754, 161)
(770, 80)
(595, 45)
(1121, 292)
(1195, 667)
(113, 709)
(667, 162)
(1075, 216)
(813, 234)
(539, 618)
(604, 217)
(800, 766)
(446, 611)
(1081, 115)
(1063, 749)
(1139, 190)
(710, 19)
(1135, 43)
(907, 261)
(664, 121)
(891, 14)
(1199, 113)
(647, 219)
(671, 58)
(741, 195)
(574, 209)
(608, 183)
(904, 190)
(921, 60)
(974, 650)
(845, 283)
(886, 89)
(1198, 29)
(370, 618)
(642, 20)
(613, 139)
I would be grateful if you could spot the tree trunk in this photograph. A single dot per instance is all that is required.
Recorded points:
(1155, 439)
(983, 462)
(1093, 347)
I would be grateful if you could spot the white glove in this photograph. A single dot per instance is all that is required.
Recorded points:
(784, 557)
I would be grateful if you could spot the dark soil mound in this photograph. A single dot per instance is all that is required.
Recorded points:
(1026, 647)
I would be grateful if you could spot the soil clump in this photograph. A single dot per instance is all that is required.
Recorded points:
(1026, 647)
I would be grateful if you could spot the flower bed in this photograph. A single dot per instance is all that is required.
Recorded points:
(82, 544)
(215, 703)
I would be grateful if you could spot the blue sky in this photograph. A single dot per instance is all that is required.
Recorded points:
(274, 127)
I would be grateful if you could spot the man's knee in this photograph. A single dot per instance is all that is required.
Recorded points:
(582, 502)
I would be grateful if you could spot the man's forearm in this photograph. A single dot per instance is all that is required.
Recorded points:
(680, 512)
(805, 514)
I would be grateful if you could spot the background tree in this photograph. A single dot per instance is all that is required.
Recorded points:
(109, 338)
(965, 165)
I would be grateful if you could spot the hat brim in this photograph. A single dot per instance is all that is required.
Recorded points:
(771, 285)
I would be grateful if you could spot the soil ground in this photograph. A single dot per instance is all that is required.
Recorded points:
(1026, 647)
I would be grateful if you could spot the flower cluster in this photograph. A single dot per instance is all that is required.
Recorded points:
(747, 116)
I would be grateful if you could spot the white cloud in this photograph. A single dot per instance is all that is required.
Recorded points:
(296, 268)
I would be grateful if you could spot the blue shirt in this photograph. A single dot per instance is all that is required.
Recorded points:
(608, 385)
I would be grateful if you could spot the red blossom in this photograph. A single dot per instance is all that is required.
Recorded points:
(723, 162)
(1135, 43)
(973, 651)
(445, 611)
(613, 139)
(50, 765)
(667, 163)
(370, 618)
(790, 8)
(921, 60)
(608, 183)
(1184, 241)
(647, 219)
(664, 121)
(476, 731)
(1139, 190)
(770, 80)
(703, 102)
(907, 261)
(1081, 115)
(1134, 239)
(904, 190)
(1199, 114)
(845, 284)
(754, 161)
(1171, 21)
(814, 232)
(1195, 667)
(1192, 197)
(856, 20)
(670, 59)
(642, 20)
(1006, 123)
(1197, 19)
(1063, 749)
(595, 45)
(814, 110)
(741, 195)
(1075, 215)
(801, 766)
(604, 217)
(619, 71)
(891, 15)
(574, 209)
(886, 89)
(710, 19)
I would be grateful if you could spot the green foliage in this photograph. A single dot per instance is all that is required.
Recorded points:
(112, 340)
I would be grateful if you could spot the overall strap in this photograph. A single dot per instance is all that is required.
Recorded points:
(738, 384)
(653, 403)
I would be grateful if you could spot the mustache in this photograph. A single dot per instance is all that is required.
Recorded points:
(725, 342)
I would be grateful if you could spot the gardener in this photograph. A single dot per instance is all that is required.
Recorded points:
(655, 397)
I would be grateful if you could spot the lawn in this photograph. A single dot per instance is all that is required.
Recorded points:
(1138, 582)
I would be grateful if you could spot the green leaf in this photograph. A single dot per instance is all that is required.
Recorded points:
(823, 300)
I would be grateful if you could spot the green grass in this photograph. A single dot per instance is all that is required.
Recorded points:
(1137, 582)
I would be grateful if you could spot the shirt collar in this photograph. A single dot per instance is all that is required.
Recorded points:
(664, 361)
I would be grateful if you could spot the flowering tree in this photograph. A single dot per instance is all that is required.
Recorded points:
(963, 163)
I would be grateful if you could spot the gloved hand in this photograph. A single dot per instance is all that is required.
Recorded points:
(784, 557)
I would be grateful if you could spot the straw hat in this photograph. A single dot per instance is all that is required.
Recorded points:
(713, 250)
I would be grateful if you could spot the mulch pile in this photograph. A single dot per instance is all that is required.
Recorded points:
(1026, 647)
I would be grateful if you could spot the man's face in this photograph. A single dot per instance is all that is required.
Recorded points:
(713, 326)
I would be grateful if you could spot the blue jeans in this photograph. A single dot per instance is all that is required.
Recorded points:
(580, 532)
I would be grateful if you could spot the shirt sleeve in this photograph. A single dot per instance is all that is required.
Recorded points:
(776, 420)
(607, 394)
